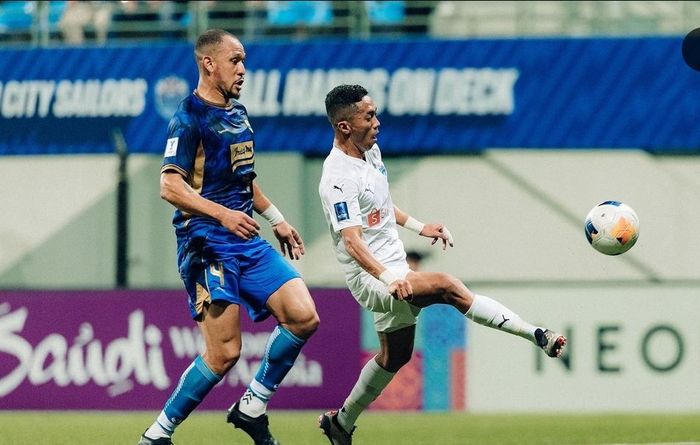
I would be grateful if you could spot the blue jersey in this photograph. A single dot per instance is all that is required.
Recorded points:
(212, 148)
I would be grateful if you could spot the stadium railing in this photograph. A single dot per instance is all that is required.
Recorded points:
(44, 23)
(49, 23)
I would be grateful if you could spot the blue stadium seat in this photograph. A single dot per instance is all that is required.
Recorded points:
(16, 16)
(290, 13)
(56, 10)
(385, 12)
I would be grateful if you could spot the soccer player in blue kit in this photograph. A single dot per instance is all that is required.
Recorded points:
(208, 175)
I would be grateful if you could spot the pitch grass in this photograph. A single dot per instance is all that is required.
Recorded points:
(374, 428)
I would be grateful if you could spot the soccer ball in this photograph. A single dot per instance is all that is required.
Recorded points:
(612, 227)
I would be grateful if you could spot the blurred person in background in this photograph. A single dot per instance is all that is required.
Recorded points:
(156, 19)
(80, 16)
(414, 259)
(208, 175)
(363, 222)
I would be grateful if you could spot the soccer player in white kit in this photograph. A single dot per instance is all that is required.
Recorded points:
(363, 221)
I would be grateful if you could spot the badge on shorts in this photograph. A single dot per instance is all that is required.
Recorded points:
(341, 211)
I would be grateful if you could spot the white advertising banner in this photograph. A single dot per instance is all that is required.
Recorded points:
(631, 348)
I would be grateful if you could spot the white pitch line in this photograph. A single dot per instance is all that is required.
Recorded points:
(654, 443)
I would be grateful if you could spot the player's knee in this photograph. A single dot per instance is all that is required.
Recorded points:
(305, 326)
(310, 325)
(230, 361)
(455, 292)
(222, 360)
(314, 323)
(446, 283)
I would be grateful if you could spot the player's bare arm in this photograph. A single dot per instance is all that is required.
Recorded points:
(435, 231)
(357, 248)
(175, 190)
(291, 243)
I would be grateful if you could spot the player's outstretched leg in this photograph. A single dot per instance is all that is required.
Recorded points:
(491, 313)
(328, 422)
(550, 342)
(256, 427)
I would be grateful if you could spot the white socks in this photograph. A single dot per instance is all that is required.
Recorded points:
(253, 403)
(373, 379)
(158, 428)
(491, 313)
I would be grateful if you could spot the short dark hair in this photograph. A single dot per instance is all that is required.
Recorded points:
(341, 100)
(210, 37)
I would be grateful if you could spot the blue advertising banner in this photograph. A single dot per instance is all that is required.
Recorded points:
(433, 96)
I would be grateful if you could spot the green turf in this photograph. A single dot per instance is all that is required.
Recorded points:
(300, 428)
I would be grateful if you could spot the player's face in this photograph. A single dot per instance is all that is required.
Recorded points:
(229, 70)
(364, 124)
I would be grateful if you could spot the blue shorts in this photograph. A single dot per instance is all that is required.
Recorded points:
(216, 265)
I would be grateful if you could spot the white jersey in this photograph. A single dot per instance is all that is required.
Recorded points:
(355, 192)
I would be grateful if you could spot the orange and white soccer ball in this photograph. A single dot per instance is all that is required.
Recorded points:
(612, 227)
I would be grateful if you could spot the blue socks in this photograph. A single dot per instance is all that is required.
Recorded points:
(195, 383)
(281, 352)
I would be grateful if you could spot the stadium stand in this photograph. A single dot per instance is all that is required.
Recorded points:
(48, 23)
(542, 18)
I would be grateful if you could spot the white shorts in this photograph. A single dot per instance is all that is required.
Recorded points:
(390, 314)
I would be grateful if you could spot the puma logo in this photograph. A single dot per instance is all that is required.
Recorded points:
(500, 325)
(338, 187)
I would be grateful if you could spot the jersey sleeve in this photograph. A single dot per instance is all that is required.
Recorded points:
(181, 147)
(340, 200)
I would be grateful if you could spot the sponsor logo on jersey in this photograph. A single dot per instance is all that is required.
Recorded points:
(242, 153)
(341, 211)
(376, 216)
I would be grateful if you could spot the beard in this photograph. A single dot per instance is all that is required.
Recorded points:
(232, 92)
(228, 95)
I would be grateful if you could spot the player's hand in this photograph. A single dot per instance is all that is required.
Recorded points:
(291, 243)
(401, 290)
(240, 224)
(438, 232)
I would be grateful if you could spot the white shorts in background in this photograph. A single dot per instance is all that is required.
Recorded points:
(390, 314)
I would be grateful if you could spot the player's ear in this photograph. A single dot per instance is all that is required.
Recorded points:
(208, 64)
(344, 127)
